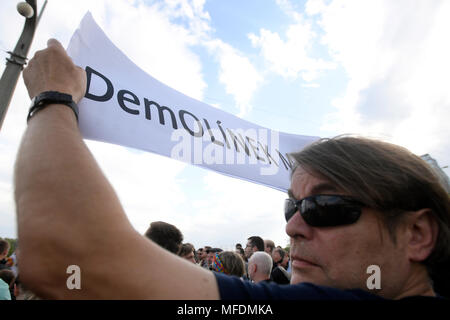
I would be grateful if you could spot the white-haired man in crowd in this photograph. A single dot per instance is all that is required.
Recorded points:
(260, 267)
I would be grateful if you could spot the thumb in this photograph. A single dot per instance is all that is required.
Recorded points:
(54, 43)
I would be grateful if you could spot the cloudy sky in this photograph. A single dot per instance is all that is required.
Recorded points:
(320, 68)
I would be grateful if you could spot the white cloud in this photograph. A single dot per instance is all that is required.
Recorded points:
(289, 9)
(313, 7)
(240, 77)
(311, 85)
(236, 72)
(157, 46)
(395, 54)
(291, 57)
(193, 12)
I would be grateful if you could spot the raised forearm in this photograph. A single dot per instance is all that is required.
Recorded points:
(56, 174)
(64, 203)
(75, 218)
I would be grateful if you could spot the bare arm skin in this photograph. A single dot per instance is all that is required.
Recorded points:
(68, 213)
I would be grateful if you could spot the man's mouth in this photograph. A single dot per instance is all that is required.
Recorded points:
(298, 262)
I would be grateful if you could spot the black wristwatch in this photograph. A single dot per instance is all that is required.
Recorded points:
(51, 97)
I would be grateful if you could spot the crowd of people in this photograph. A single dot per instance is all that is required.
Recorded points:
(260, 261)
(10, 286)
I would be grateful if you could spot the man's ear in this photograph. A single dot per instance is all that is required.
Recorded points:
(423, 230)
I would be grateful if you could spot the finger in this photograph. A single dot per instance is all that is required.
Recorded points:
(54, 43)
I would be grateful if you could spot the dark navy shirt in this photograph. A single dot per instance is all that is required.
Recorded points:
(233, 288)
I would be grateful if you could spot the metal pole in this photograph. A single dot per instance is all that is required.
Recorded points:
(16, 61)
(40, 13)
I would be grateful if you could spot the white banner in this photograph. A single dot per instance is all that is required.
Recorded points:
(126, 106)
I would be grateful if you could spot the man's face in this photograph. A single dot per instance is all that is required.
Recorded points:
(210, 257)
(276, 256)
(339, 256)
(5, 252)
(285, 262)
(248, 249)
(190, 257)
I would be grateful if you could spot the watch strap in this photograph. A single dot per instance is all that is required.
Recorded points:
(51, 97)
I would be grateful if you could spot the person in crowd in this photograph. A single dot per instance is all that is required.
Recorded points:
(198, 255)
(5, 294)
(166, 235)
(210, 257)
(353, 203)
(286, 263)
(4, 249)
(9, 278)
(22, 293)
(12, 262)
(269, 245)
(229, 263)
(187, 252)
(204, 257)
(241, 252)
(278, 256)
(254, 244)
(279, 274)
(260, 267)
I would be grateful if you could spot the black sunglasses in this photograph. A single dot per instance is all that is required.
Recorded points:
(324, 210)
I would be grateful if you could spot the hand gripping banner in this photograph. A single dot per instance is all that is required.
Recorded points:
(124, 105)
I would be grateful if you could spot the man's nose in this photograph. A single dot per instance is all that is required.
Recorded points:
(297, 227)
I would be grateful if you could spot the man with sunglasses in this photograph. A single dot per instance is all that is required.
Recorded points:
(353, 204)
